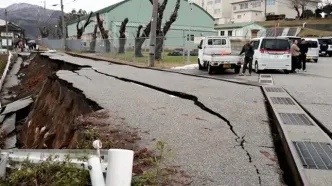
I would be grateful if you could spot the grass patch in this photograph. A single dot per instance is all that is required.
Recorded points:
(167, 61)
(284, 23)
(48, 172)
(3, 63)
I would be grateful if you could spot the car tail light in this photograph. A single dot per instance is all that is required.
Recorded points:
(262, 50)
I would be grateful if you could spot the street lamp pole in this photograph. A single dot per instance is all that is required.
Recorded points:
(153, 33)
(64, 30)
(7, 44)
(189, 35)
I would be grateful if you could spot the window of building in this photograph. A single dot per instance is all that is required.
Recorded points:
(230, 32)
(222, 33)
(256, 4)
(190, 37)
(209, 2)
(216, 11)
(270, 2)
(239, 16)
(243, 5)
(234, 7)
(217, 1)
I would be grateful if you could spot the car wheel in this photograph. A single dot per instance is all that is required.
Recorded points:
(200, 67)
(237, 69)
(256, 68)
(315, 60)
(210, 69)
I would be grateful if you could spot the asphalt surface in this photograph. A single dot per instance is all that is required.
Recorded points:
(312, 89)
(219, 131)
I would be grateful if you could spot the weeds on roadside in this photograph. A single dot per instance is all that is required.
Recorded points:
(158, 173)
(46, 173)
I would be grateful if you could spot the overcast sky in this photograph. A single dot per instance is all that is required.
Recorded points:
(88, 5)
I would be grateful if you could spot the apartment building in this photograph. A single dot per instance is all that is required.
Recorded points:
(219, 9)
(249, 10)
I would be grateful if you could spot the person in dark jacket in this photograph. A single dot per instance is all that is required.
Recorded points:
(248, 51)
(303, 56)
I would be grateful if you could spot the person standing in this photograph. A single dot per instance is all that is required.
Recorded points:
(303, 56)
(248, 51)
(295, 51)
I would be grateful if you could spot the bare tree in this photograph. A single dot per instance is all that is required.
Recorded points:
(103, 32)
(122, 39)
(80, 30)
(44, 32)
(161, 31)
(299, 6)
(94, 38)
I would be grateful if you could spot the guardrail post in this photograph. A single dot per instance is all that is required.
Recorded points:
(3, 164)
(96, 173)
(119, 168)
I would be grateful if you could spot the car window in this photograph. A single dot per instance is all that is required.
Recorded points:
(255, 44)
(217, 42)
(275, 44)
(325, 41)
(312, 44)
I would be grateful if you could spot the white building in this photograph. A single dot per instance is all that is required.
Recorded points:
(249, 10)
(219, 9)
(239, 30)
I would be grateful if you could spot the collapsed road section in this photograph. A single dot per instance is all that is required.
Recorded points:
(218, 132)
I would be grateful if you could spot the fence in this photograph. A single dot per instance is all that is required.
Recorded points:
(170, 50)
(4, 74)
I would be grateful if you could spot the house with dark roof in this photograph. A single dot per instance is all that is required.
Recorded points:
(192, 22)
(14, 32)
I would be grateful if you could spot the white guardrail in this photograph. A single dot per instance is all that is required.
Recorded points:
(3, 77)
(116, 163)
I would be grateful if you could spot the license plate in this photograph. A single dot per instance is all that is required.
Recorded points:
(227, 65)
(323, 52)
(308, 57)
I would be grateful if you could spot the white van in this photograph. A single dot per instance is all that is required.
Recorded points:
(271, 53)
(214, 53)
(313, 51)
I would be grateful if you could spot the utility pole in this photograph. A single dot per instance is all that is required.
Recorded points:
(153, 33)
(265, 9)
(64, 30)
(7, 44)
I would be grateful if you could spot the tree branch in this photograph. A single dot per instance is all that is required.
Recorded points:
(172, 19)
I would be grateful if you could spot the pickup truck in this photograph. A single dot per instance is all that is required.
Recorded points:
(214, 52)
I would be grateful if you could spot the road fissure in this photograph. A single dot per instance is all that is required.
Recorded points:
(238, 139)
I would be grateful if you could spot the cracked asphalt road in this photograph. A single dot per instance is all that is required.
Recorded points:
(164, 104)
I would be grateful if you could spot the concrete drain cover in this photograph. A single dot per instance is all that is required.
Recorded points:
(266, 81)
(315, 155)
(273, 89)
(282, 101)
(266, 76)
(295, 119)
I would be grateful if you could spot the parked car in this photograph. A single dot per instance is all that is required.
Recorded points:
(313, 52)
(325, 46)
(176, 52)
(272, 53)
(194, 52)
(214, 52)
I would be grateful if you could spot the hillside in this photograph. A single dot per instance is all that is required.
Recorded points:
(317, 24)
(30, 17)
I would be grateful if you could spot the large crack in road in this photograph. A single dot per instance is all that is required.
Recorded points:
(240, 140)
